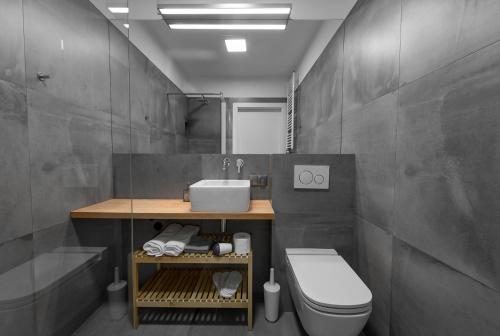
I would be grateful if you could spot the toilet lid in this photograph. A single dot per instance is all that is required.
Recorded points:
(327, 280)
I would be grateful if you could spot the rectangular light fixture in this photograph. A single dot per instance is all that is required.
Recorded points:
(118, 10)
(227, 26)
(126, 25)
(226, 16)
(237, 10)
(236, 45)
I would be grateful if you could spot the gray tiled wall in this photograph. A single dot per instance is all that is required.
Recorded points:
(420, 113)
(203, 126)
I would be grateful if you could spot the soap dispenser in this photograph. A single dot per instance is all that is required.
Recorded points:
(271, 297)
(185, 194)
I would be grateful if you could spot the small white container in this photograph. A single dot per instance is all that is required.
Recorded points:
(272, 298)
(242, 243)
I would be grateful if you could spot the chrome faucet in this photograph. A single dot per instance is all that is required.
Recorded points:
(239, 164)
(226, 163)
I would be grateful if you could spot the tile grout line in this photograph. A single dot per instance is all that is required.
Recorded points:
(396, 171)
(342, 89)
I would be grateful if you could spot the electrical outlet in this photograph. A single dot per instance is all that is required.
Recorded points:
(258, 180)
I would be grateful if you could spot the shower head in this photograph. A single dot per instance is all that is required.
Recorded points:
(203, 100)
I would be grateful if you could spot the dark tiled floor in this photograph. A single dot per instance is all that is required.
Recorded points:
(100, 324)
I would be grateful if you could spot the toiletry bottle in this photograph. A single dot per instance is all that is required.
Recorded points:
(185, 194)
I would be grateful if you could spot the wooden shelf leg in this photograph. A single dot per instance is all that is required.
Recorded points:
(250, 292)
(135, 290)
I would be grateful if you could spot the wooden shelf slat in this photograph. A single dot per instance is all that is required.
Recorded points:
(167, 209)
(188, 288)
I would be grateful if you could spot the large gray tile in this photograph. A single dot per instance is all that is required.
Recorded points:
(203, 123)
(202, 145)
(122, 182)
(338, 199)
(369, 132)
(164, 176)
(178, 106)
(448, 161)
(72, 48)
(374, 253)
(12, 42)
(70, 152)
(371, 51)
(320, 93)
(120, 98)
(15, 201)
(430, 298)
(153, 117)
(324, 138)
(436, 33)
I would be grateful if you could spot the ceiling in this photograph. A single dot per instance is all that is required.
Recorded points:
(202, 54)
(301, 9)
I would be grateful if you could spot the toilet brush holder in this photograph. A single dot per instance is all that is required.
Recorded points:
(271, 298)
(117, 297)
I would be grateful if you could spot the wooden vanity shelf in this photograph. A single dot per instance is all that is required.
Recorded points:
(191, 287)
(182, 288)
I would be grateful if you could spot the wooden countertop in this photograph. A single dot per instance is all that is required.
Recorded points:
(166, 209)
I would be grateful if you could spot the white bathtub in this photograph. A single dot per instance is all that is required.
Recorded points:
(54, 289)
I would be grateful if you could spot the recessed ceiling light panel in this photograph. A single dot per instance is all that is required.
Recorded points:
(236, 45)
(118, 10)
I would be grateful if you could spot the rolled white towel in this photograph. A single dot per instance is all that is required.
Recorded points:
(180, 239)
(156, 246)
(227, 283)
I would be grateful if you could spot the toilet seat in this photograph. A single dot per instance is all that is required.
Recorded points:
(327, 283)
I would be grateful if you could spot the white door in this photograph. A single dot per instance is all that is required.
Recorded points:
(259, 128)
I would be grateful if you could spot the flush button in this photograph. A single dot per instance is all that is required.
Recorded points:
(319, 179)
(311, 177)
(306, 177)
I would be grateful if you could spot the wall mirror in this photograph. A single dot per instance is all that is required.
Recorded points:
(196, 89)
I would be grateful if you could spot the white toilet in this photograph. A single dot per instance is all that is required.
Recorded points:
(329, 297)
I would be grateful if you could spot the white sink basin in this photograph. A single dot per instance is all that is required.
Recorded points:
(220, 195)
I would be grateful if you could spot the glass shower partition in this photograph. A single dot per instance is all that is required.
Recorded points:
(65, 127)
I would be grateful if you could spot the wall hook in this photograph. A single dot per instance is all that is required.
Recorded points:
(42, 77)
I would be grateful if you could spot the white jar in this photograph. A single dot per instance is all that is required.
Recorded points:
(242, 243)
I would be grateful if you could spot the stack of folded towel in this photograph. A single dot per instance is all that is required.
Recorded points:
(170, 241)
(156, 246)
(176, 245)
(227, 283)
(199, 245)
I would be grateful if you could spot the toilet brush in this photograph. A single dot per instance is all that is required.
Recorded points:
(271, 297)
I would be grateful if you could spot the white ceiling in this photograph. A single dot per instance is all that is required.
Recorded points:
(201, 54)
